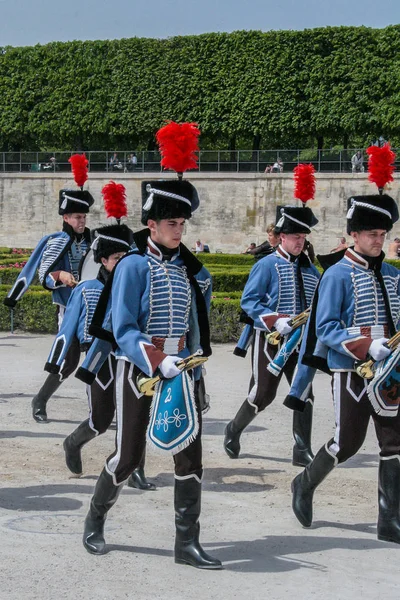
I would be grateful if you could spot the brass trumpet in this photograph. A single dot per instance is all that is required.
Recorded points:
(146, 385)
(274, 337)
(366, 369)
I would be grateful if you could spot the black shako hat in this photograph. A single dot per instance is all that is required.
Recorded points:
(371, 212)
(294, 219)
(110, 239)
(168, 199)
(74, 201)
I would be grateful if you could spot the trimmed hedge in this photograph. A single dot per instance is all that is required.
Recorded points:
(36, 313)
(226, 259)
(229, 282)
(8, 276)
(224, 321)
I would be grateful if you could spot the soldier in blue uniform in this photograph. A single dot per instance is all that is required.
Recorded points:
(57, 258)
(357, 308)
(159, 315)
(279, 287)
(109, 245)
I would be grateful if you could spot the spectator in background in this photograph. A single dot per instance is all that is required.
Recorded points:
(277, 167)
(199, 247)
(394, 249)
(269, 245)
(132, 162)
(343, 245)
(273, 237)
(249, 249)
(115, 163)
(357, 161)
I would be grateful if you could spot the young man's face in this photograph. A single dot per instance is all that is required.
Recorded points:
(77, 221)
(369, 243)
(293, 243)
(110, 262)
(167, 232)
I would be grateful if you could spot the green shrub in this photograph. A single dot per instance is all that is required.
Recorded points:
(226, 259)
(8, 276)
(14, 258)
(35, 312)
(226, 295)
(229, 281)
(224, 321)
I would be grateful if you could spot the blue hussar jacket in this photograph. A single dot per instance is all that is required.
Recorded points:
(77, 318)
(351, 309)
(273, 289)
(52, 254)
(151, 298)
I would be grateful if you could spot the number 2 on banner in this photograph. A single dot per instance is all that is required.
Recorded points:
(169, 396)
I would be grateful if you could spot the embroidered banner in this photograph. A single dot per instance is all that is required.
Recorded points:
(173, 418)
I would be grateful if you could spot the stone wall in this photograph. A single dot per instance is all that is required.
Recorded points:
(235, 209)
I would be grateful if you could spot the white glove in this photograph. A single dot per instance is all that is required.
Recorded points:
(282, 325)
(377, 349)
(168, 367)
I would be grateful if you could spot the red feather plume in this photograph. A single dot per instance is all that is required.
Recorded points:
(304, 182)
(178, 145)
(114, 196)
(79, 166)
(380, 164)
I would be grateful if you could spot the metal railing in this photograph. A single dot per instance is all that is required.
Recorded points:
(220, 161)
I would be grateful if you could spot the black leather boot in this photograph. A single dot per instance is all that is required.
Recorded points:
(302, 427)
(244, 416)
(72, 446)
(138, 478)
(104, 497)
(389, 500)
(39, 402)
(187, 512)
(305, 483)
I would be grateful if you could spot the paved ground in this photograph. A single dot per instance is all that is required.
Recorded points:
(247, 519)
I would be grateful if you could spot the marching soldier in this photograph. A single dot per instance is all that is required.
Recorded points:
(280, 287)
(57, 258)
(357, 308)
(159, 315)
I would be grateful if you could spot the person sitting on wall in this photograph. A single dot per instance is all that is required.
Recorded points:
(249, 249)
(341, 246)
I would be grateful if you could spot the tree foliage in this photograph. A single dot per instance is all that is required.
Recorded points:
(283, 87)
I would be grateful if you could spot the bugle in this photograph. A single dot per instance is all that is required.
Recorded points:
(146, 385)
(275, 337)
(366, 369)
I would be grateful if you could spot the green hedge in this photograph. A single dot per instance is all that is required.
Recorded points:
(13, 258)
(224, 321)
(8, 276)
(36, 313)
(226, 259)
(229, 282)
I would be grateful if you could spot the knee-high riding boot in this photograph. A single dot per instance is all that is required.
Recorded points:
(104, 497)
(73, 443)
(138, 478)
(302, 427)
(389, 500)
(39, 402)
(187, 512)
(304, 485)
(244, 416)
